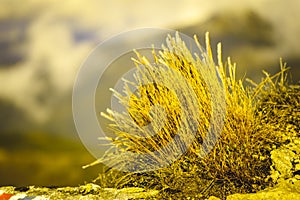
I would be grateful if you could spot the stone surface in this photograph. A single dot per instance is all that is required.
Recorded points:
(286, 189)
(86, 192)
(284, 172)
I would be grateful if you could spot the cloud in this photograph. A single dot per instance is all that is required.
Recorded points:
(60, 34)
(58, 37)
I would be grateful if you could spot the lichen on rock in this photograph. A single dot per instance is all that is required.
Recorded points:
(89, 191)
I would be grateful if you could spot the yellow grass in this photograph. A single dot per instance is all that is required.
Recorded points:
(239, 161)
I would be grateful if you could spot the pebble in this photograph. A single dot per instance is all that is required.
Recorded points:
(6, 196)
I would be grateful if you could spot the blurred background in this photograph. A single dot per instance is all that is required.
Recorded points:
(43, 44)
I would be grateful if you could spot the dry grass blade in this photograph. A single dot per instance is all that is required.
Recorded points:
(240, 159)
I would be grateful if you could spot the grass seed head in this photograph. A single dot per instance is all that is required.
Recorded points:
(239, 160)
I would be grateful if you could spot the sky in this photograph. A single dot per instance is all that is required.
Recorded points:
(44, 43)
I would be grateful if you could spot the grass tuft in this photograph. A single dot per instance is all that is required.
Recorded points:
(239, 161)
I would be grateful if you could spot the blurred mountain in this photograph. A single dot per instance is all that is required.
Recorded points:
(12, 118)
(250, 39)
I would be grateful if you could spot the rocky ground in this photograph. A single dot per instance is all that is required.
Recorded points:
(286, 189)
(89, 191)
(285, 172)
